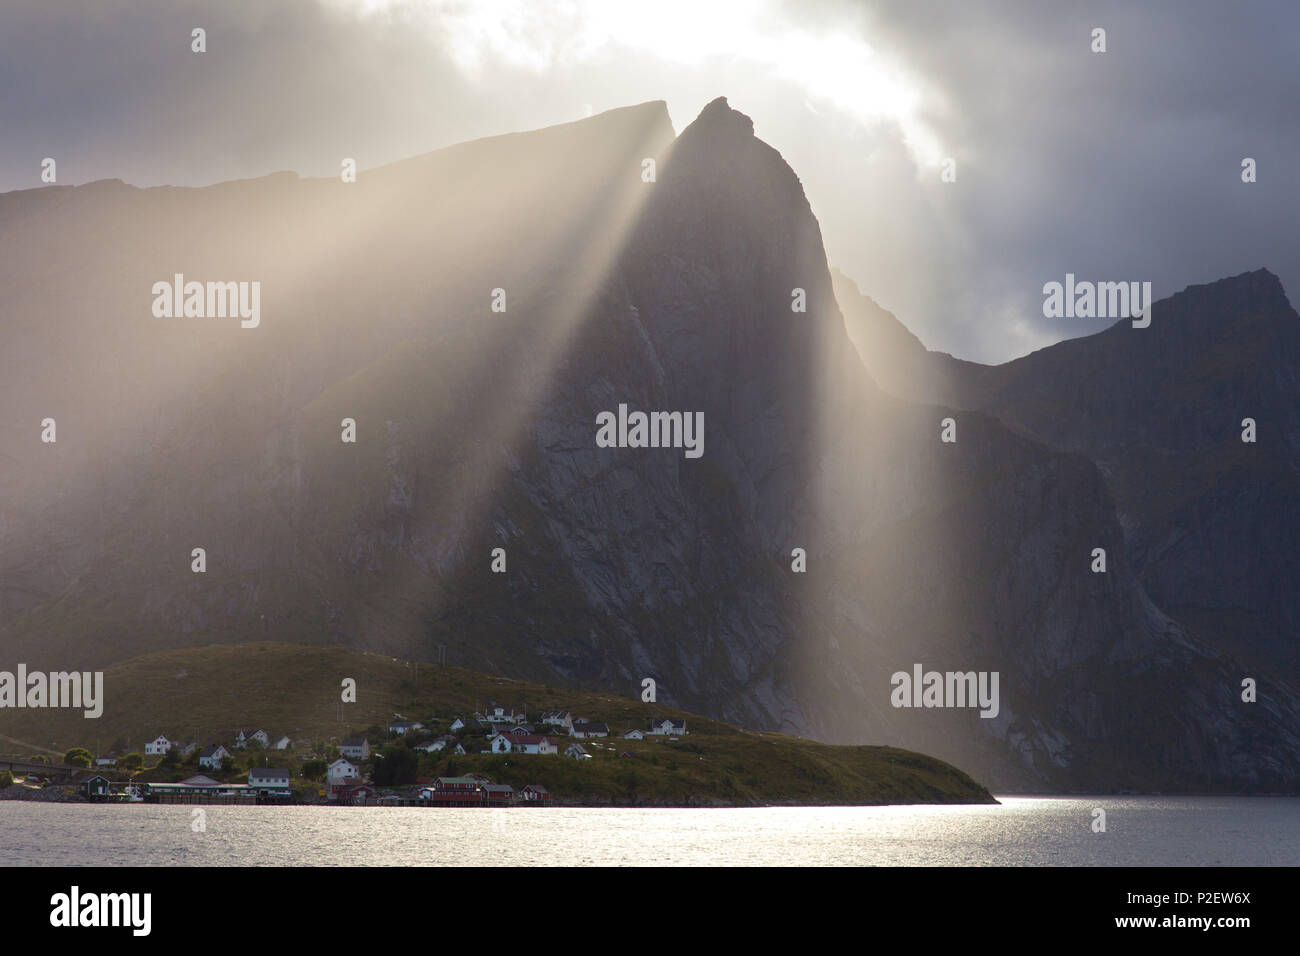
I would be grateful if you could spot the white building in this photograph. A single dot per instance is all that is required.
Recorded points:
(558, 718)
(668, 728)
(358, 748)
(583, 729)
(281, 743)
(342, 771)
(245, 738)
(496, 714)
(532, 744)
(440, 743)
(269, 778)
(211, 757)
(158, 746)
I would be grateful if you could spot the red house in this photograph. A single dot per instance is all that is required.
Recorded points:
(357, 794)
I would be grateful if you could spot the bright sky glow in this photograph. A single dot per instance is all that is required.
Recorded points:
(835, 69)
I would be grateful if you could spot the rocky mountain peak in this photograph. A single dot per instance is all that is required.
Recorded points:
(1249, 293)
(718, 118)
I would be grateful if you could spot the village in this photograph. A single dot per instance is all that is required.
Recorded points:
(379, 767)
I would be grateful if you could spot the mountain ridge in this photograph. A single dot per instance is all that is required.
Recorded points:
(476, 432)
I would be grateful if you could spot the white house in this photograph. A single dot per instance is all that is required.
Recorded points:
(517, 730)
(159, 745)
(358, 748)
(577, 752)
(634, 735)
(531, 744)
(211, 757)
(496, 714)
(404, 727)
(558, 718)
(501, 743)
(668, 727)
(281, 743)
(105, 761)
(439, 743)
(583, 729)
(457, 724)
(246, 737)
(185, 749)
(269, 778)
(341, 771)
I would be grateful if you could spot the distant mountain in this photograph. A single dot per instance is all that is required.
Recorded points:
(476, 430)
(1212, 523)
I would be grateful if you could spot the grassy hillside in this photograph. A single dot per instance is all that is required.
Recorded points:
(206, 694)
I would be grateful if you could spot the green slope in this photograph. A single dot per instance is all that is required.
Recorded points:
(206, 694)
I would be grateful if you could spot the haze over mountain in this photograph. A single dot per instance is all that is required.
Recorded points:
(476, 430)
(1211, 522)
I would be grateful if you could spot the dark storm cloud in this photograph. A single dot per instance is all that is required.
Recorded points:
(1122, 165)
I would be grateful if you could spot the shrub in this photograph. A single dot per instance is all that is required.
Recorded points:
(130, 762)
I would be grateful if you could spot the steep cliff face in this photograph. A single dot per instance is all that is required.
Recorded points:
(1211, 522)
(475, 311)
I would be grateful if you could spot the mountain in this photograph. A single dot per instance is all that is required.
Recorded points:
(702, 289)
(1211, 521)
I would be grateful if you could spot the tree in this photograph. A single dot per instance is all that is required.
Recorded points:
(6, 779)
(395, 765)
(314, 769)
(130, 762)
(171, 759)
(78, 757)
(228, 764)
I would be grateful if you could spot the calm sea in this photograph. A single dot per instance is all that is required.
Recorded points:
(1051, 831)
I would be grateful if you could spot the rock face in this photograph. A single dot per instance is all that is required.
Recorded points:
(1211, 522)
(705, 290)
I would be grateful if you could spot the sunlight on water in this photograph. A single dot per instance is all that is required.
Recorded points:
(1022, 831)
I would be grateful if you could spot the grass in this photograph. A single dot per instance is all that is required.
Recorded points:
(206, 694)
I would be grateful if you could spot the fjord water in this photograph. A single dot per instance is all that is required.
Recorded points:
(1022, 831)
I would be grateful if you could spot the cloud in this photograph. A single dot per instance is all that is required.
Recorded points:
(1122, 165)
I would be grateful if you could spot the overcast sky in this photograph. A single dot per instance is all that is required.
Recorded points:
(1123, 165)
